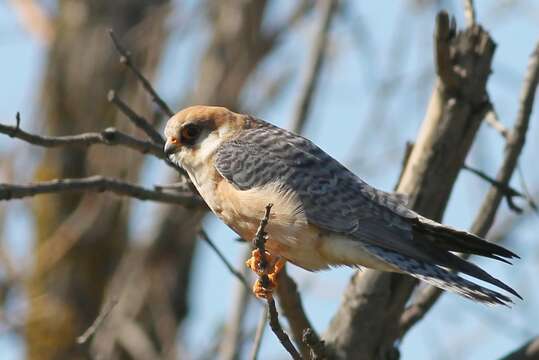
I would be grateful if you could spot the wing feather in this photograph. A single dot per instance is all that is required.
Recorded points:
(335, 199)
(332, 196)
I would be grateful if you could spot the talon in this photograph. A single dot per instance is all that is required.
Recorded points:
(259, 290)
(274, 274)
(262, 292)
(254, 262)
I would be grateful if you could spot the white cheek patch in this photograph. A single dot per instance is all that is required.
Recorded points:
(207, 147)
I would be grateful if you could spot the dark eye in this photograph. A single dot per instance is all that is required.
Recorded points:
(189, 133)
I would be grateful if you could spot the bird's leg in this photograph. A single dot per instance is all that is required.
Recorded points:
(271, 270)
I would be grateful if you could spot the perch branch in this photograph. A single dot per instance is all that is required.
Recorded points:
(259, 243)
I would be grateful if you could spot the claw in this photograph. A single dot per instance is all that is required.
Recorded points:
(263, 292)
(254, 262)
(274, 266)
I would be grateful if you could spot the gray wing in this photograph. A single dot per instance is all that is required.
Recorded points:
(336, 200)
(333, 198)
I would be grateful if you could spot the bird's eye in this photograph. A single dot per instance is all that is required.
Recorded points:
(189, 133)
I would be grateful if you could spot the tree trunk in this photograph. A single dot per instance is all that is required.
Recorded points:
(66, 287)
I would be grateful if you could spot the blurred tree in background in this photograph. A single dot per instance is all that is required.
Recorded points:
(92, 263)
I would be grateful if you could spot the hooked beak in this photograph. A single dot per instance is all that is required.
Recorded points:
(171, 146)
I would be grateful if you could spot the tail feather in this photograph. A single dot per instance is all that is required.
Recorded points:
(440, 257)
(441, 277)
(451, 239)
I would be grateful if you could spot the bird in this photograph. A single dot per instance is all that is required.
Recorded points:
(322, 214)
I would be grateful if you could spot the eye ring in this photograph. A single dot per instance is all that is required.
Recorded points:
(189, 133)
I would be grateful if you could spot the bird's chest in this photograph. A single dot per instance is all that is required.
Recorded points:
(289, 233)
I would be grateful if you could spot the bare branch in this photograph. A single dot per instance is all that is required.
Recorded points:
(259, 242)
(125, 59)
(314, 65)
(229, 266)
(109, 136)
(292, 309)
(138, 120)
(99, 184)
(493, 120)
(469, 13)
(230, 344)
(98, 321)
(259, 334)
(485, 215)
(508, 192)
(515, 143)
(145, 126)
(529, 351)
(373, 302)
(297, 14)
(316, 346)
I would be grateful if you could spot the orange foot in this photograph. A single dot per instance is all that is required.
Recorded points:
(274, 266)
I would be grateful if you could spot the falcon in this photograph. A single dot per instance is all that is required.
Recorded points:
(323, 215)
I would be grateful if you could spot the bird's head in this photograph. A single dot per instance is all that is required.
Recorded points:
(194, 133)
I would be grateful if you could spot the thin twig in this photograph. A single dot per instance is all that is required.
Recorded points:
(292, 309)
(260, 329)
(229, 266)
(469, 13)
(99, 184)
(524, 186)
(145, 126)
(97, 322)
(314, 65)
(485, 215)
(125, 59)
(493, 120)
(138, 120)
(234, 335)
(259, 242)
(109, 136)
(506, 189)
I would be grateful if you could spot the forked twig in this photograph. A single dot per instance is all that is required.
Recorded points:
(125, 58)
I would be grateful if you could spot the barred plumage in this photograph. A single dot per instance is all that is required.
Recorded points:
(328, 215)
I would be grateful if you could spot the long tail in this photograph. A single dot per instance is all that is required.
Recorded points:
(442, 278)
(450, 239)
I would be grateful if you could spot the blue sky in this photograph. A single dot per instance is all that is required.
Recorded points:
(372, 131)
